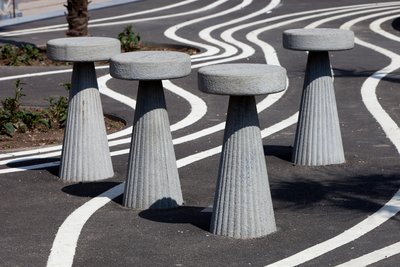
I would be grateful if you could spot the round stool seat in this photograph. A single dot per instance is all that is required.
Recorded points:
(241, 79)
(150, 65)
(318, 39)
(83, 49)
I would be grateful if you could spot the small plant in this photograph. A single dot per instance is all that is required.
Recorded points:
(24, 55)
(58, 111)
(130, 40)
(11, 105)
(31, 52)
(13, 118)
(58, 108)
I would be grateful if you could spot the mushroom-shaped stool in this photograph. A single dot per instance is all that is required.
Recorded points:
(85, 152)
(153, 180)
(242, 203)
(318, 140)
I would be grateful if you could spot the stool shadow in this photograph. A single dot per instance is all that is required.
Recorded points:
(91, 189)
(349, 73)
(25, 164)
(282, 152)
(364, 193)
(184, 214)
(396, 24)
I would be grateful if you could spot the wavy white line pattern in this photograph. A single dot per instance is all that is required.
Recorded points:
(220, 44)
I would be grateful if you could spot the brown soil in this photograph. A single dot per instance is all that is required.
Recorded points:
(50, 137)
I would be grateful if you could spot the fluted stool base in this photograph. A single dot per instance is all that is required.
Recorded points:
(85, 153)
(318, 139)
(153, 180)
(242, 204)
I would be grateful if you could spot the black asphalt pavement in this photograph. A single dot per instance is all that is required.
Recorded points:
(312, 204)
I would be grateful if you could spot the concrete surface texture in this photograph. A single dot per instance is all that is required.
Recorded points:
(242, 206)
(242, 203)
(318, 139)
(85, 152)
(83, 49)
(150, 65)
(153, 180)
(318, 39)
(242, 79)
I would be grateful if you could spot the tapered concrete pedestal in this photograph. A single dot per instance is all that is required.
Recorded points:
(153, 180)
(85, 153)
(318, 140)
(242, 204)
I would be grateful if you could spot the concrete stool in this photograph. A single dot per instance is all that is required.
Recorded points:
(153, 180)
(242, 204)
(318, 139)
(85, 153)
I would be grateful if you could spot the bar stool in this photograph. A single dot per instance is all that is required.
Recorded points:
(318, 140)
(153, 180)
(242, 204)
(85, 152)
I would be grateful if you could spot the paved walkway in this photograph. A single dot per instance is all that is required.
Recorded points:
(39, 7)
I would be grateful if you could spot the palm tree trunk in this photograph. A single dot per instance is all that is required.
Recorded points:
(77, 17)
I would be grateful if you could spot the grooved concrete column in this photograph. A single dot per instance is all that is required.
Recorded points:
(153, 180)
(85, 155)
(318, 139)
(242, 203)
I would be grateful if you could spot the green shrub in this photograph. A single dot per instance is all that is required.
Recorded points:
(13, 118)
(58, 111)
(130, 40)
(24, 55)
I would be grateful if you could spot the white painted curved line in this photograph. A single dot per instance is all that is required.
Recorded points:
(382, 215)
(373, 257)
(227, 35)
(376, 27)
(198, 106)
(392, 207)
(171, 32)
(322, 21)
(29, 152)
(63, 253)
(368, 90)
(205, 34)
(248, 51)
